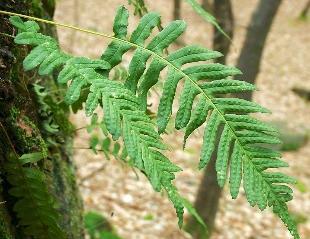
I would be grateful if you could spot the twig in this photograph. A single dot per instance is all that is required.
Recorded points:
(92, 174)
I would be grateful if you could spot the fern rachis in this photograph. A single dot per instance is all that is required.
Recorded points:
(124, 108)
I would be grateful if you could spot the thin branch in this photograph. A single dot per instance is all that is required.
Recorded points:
(7, 35)
(92, 174)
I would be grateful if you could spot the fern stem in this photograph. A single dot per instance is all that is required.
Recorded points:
(9, 140)
(57, 24)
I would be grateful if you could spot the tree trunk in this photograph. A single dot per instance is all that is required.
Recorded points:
(252, 50)
(177, 10)
(305, 11)
(25, 118)
(206, 5)
(209, 192)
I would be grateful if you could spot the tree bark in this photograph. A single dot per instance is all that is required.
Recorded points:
(209, 192)
(252, 50)
(206, 5)
(21, 118)
(305, 11)
(177, 10)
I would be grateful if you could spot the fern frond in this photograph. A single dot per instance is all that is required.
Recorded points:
(125, 105)
(206, 15)
(139, 5)
(123, 115)
(35, 207)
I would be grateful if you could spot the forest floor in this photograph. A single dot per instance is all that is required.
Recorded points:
(126, 197)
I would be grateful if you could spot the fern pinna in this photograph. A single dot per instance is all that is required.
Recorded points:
(242, 148)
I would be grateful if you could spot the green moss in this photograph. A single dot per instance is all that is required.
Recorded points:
(4, 227)
(64, 187)
(26, 133)
(5, 230)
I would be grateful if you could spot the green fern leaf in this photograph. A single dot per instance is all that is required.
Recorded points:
(209, 139)
(198, 118)
(186, 102)
(223, 156)
(165, 105)
(32, 157)
(125, 104)
(35, 208)
(235, 171)
(205, 15)
(227, 86)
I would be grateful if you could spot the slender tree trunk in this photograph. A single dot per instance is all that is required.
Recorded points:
(209, 192)
(206, 5)
(23, 122)
(305, 11)
(252, 50)
(177, 10)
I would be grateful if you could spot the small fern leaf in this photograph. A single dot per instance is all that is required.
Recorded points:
(114, 52)
(251, 137)
(227, 105)
(167, 36)
(121, 23)
(245, 122)
(38, 55)
(149, 80)
(189, 54)
(136, 69)
(185, 106)
(212, 71)
(263, 163)
(259, 152)
(223, 156)
(54, 60)
(73, 93)
(235, 171)
(198, 118)
(92, 101)
(248, 182)
(165, 104)
(32, 157)
(145, 27)
(193, 212)
(209, 139)
(206, 16)
(225, 86)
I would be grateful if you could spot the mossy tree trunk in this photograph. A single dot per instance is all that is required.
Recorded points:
(31, 121)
